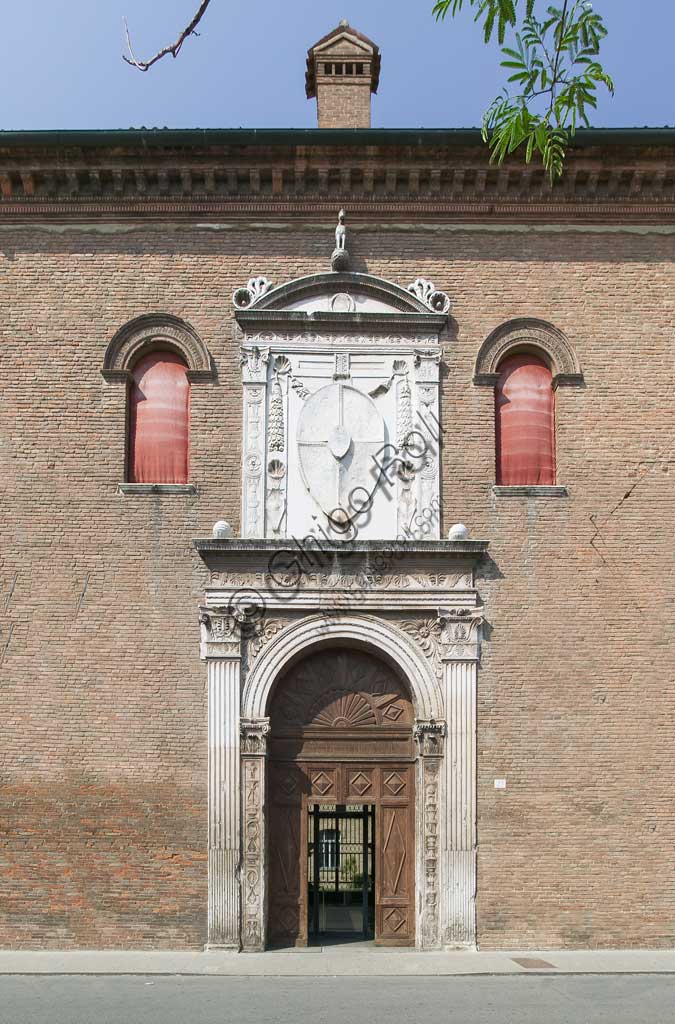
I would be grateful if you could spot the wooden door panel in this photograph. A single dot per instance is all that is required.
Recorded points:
(395, 896)
(341, 734)
(287, 844)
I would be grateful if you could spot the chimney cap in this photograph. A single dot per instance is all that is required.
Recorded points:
(346, 30)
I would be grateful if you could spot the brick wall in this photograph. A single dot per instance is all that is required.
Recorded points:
(342, 104)
(103, 773)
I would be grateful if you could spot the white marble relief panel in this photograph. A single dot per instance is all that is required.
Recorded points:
(351, 446)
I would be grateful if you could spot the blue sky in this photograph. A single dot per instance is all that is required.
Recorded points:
(61, 64)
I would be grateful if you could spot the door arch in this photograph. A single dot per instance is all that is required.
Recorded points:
(367, 632)
(341, 737)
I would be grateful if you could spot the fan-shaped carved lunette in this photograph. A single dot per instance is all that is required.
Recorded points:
(340, 689)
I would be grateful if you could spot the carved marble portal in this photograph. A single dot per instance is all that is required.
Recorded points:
(424, 621)
(340, 550)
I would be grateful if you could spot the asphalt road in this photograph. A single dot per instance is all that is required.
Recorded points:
(578, 999)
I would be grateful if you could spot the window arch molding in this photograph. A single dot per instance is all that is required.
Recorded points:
(154, 331)
(528, 335)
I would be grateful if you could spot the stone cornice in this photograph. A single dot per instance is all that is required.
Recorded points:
(434, 180)
(403, 549)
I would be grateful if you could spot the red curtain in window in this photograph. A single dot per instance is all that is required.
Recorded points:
(159, 420)
(524, 422)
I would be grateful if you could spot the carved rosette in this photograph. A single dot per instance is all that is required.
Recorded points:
(454, 635)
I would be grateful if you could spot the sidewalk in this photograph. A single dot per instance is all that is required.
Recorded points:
(338, 961)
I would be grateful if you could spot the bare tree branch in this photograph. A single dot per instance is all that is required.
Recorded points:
(173, 49)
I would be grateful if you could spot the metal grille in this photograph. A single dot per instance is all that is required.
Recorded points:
(340, 874)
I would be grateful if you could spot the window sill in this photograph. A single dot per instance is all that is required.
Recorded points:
(530, 491)
(141, 489)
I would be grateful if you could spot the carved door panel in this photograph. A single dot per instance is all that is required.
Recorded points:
(287, 842)
(395, 851)
(341, 735)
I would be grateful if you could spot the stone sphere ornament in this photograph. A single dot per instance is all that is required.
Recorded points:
(458, 532)
(222, 530)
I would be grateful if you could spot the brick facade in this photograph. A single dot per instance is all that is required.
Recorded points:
(103, 783)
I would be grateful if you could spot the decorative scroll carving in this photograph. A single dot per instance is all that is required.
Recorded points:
(430, 925)
(253, 841)
(425, 291)
(358, 581)
(260, 633)
(254, 736)
(255, 288)
(309, 339)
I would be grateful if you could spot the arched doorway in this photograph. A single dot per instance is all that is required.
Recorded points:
(341, 792)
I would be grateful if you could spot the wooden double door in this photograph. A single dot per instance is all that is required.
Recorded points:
(341, 738)
(387, 788)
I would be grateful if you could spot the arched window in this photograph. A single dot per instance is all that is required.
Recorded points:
(524, 422)
(159, 419)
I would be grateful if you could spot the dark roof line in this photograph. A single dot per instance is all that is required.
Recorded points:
(162, 137)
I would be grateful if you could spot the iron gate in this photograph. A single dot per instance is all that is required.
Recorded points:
(340, 870)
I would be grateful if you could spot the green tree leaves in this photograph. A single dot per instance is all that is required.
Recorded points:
(554, 74)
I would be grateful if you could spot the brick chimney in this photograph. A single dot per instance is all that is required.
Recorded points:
(343, 69)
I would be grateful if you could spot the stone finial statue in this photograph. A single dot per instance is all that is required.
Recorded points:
(340, 232)
(340, 257)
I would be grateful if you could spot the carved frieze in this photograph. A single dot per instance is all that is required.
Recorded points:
(365, 580)
(289, 341)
